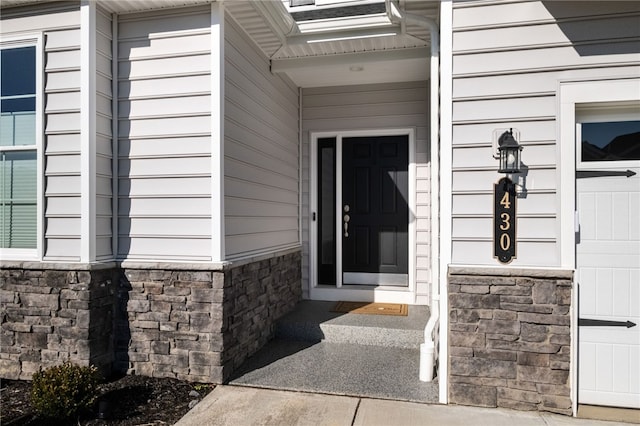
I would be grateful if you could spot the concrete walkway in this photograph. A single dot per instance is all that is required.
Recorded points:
(240, 406)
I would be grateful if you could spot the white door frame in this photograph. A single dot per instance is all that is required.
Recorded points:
(572, 95)
(390, 294)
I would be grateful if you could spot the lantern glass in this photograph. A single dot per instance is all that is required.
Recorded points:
(509, 154)
(510, 160)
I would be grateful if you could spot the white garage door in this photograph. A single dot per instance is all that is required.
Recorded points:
(608, 263)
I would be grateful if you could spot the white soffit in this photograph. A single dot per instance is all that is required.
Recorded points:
(367, 73)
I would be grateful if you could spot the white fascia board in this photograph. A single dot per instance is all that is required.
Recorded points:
(344, 34)
(87, 131)
(344, 23)
(289, 64)
(217, 133)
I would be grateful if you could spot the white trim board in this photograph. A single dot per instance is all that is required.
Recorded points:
(361, 293)
(88, 131)
(24, 40)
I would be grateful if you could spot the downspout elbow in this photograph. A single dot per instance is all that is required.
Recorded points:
(428, 348)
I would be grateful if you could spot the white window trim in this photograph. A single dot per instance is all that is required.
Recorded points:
(572, 95)
(598, 113)
(381, 293)
(26, 40)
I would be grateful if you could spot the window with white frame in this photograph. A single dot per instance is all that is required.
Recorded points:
(18, 147)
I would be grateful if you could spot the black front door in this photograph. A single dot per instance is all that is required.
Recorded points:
(375, 212)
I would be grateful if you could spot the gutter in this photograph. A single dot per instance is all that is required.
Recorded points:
(428, 348)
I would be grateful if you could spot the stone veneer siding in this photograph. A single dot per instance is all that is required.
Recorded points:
(192, 322)
(51, 315)
(199, 325)
(509, 338)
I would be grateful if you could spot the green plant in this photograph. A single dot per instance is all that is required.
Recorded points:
(202, 387)
(64, 391)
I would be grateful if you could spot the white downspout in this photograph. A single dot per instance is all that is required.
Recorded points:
(428, 348)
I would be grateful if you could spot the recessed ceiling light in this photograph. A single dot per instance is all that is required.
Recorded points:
(356, 68)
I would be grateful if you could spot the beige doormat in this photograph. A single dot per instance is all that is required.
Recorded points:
(368, 308)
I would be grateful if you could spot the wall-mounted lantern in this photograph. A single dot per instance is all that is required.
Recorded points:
(509, 151)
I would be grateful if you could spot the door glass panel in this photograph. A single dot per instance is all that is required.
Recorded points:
(611, 141)
(327, 211)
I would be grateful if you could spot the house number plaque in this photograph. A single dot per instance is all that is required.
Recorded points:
(504, 220)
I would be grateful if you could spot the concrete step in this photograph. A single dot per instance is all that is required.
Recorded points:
(313, 321)
(338, 368)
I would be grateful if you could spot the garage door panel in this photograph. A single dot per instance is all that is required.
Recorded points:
(608, 273)
(587, 373)
(620, 377)
(634, 293)
(622, 290)
(620, 218)
(609, 335)
(604, 366)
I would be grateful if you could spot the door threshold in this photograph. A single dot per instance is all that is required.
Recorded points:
(362, 293)
(612, 414)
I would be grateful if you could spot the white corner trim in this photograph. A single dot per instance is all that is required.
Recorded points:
(217, 132)
(87, 131)
(115, 150)
(444, 233)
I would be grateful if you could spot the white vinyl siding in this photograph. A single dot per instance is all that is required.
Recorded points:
(62, 140)
(261, 152)
(104, 155)
(60, 26)
(370, 107)
(164, 140)
(508, 59)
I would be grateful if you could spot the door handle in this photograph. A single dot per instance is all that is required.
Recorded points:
(346, 220)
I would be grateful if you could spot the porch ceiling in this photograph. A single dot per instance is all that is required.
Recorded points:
(381, 59)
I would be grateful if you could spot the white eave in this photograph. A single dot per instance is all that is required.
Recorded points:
(323, 53)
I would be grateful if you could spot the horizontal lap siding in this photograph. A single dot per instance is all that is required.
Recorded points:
(261, 151)
(104, 138)
(62, 133)
(507, 61)
(164, 135)
(367, 107)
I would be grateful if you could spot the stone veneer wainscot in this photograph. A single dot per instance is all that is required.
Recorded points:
(188, 321)
(509, 338)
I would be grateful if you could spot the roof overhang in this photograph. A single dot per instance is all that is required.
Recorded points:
(343, 50)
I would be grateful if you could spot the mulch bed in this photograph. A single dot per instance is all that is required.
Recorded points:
(132, 400)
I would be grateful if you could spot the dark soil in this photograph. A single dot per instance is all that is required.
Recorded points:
(131, 400)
